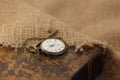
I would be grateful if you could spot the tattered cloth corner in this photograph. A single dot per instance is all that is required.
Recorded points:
(22, 22)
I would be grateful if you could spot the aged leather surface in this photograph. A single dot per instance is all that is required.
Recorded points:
(27, 66)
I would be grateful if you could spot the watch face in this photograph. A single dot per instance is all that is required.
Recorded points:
(53, 46)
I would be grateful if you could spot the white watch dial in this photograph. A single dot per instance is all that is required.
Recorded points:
(55, 46)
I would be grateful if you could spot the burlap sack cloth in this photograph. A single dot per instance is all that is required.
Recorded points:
(20, 21)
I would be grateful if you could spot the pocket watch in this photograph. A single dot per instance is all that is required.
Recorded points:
(53, 47)
(47, 46)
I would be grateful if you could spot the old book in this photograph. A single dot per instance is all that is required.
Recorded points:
(84, 65)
